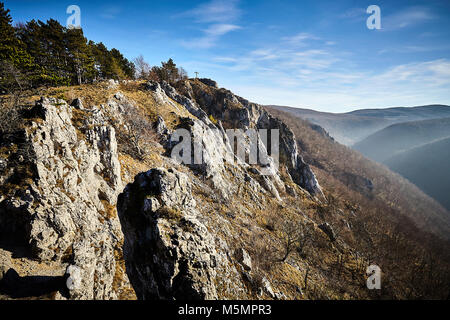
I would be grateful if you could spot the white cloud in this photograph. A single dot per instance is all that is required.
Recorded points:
(220, 29)
(285, 61)
(216, 11)
(300, 38)
(354, 14)
(324, 80)
(219, 15)
(211, 36)
(403, 18)
(406, 18)
(110, 12)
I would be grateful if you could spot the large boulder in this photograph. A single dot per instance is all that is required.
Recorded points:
(169, 252)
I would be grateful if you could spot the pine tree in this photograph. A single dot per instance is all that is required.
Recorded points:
(46, 53)
(14, 59)
(126, 67)
(80, 60)
(170, 70)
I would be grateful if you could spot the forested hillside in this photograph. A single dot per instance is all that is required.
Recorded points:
(400, 137)
(428, 167)
(351, 127)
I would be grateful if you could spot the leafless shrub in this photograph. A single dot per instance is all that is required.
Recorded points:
(9, 114)
(11, 79)
(135, 133)
(12, 84)
(263, 253)
(294, 237)
(142, 67)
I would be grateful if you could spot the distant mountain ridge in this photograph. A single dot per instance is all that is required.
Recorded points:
(399, 137)
(352, 127)
(428, 167)
(413, 142)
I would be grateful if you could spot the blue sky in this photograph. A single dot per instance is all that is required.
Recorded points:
(310, 54)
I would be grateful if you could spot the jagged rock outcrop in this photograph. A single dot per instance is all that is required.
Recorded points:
(5, 263)
(169, 252)
(328, 230)
(237, 113)
(209, 82)
(243, 258)
(67, 212)
(64, 209)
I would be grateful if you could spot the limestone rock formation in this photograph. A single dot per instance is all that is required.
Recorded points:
(66, 188)
(235, 113)
(169, 253)
(328, 230)
(243, 258)
(67, 212)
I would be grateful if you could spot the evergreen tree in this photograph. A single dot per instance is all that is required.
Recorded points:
(13, 56)
(81, 62)
(124, 64)
(46, 53)
(170, 70)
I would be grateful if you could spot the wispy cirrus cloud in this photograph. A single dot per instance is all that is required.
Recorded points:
(403, 18)
(210, 37)
(288, 62)
(407, 17)
(354, 14)
(321, 78)
(415, 49)
(411, 84)
(110, 12)
(219, 15)
(216, 11)
(294, 57)
(220, 29)
(300, 39)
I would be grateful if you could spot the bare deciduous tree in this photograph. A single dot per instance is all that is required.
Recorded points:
(135, 132)
(142, 67)
(294, 237)
(12, 83)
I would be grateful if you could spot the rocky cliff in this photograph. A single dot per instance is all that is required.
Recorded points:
(99, 202)
(64, 210)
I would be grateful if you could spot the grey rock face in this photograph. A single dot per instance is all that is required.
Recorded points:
(238, 113)
(300, 172)
(169, 253)
(216, 144)
(243, 258)
(267, 288)
(190, 105)
(209, 82)
(207, 137)
(5, 263)
(161, 127)
(3, 164)
(112, 84)
(325, 227)
(68, 211)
